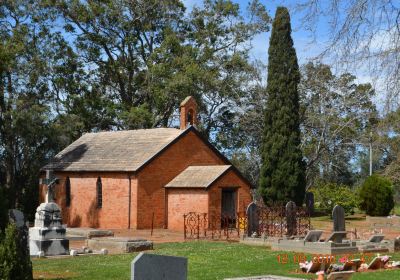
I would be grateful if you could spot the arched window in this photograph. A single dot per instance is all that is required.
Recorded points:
(190, 117)
(99, 193)
(67, 192)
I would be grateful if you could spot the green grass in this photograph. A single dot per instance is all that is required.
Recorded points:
(396, 209)
(207, 260)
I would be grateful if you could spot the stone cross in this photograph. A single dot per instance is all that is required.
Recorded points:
(253, 222)
(338, 218)
(291, 218)
(50, 181)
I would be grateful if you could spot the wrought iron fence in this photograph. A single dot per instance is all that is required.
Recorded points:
(271, 221)
(303, 220)
(214, 226)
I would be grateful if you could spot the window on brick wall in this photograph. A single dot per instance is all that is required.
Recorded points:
(99, 193)
(67, 192)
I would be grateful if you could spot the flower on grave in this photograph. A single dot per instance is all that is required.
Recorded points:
(385, 258)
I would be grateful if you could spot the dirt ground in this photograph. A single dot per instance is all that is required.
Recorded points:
(157, 236)
(356, 225)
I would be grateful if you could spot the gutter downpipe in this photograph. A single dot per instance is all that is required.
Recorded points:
(129, 203)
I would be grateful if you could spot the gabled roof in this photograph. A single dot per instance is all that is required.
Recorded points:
(198, 176)
(128, 151)
(187, 100)
(113, 151)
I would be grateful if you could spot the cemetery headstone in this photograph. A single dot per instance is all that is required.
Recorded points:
(310, 202)
(378, 262)
(291, 218)
(17, 217)
(376, 238)
(337, 236)
(47, 237)
(253, 222)
(313, 236)
(157, 267)
(338, 218)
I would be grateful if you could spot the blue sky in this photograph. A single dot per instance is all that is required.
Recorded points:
(303, 39)
(307, 44)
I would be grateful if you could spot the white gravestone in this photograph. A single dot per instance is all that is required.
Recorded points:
(47, 237)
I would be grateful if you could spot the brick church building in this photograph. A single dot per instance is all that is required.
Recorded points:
(131, 179)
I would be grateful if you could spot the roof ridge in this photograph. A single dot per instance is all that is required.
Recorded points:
(131, 130)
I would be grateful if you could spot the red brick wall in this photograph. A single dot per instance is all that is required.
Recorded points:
(147, 189)
(83, 211)
(228, 180)
(182, 201)
(184, 110)
(189, 150)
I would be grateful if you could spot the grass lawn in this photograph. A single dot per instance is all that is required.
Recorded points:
(207, 260)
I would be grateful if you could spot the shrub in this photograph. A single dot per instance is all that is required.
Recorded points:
(3, 211)
(327, 195)
(15, 262)
(376, 196)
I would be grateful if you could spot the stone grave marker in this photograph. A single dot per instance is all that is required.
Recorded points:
(17, 217)
(47, 237)
(310, 202)
(338, 218)
(352, 265)
(337, 236)
(313, 236)
(158, 267)
(291, 218)
(376, 238)
(378, 263)
(253, 222)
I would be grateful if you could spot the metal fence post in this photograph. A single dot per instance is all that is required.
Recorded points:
(184, 226)
(198, 226)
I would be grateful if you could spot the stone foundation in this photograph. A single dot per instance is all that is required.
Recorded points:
(327, 248)
(301, 246)
(51, 247)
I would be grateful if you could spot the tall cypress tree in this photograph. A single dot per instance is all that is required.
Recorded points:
(282, 175)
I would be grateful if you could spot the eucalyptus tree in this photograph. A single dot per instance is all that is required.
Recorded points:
(360, 34)
(148, 55)
(338, 116)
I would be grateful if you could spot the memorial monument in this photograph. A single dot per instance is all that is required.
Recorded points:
(47, 237)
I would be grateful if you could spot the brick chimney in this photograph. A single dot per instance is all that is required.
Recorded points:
(188, 114)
